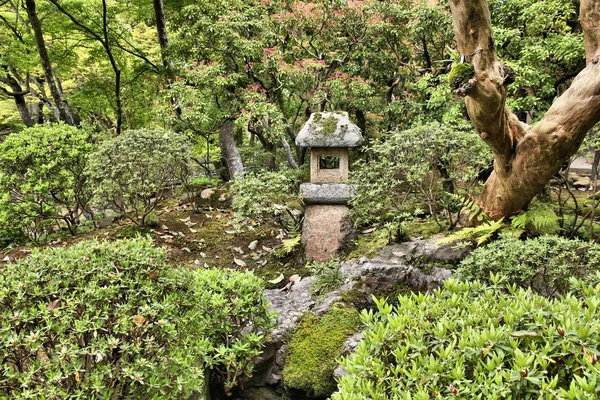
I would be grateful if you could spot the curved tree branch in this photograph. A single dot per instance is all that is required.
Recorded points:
(524, 159)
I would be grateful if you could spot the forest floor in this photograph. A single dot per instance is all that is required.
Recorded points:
(210, 238)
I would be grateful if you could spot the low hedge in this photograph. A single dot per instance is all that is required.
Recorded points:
(473, 341)
(545, 263)
(106, 320)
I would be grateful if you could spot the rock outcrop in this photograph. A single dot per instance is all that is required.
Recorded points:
(420, 265)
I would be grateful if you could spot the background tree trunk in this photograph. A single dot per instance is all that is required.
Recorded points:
(63, 107)
(230, 151)
(163, 40)
(524, 158)
(18, 94)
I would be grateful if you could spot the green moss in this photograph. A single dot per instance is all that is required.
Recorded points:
(369, 245)
(329, 125)
(424, 228)
(318, 117)
(460, 73)
(315, 349)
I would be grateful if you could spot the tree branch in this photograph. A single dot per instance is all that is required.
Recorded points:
(590, 22)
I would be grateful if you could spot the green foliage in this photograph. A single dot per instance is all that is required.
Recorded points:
(545, 263)
(482, 233)
(268, 194)
(328, 275)
(470, 340)
(459, 74)
(315, 349)
(538, 219)
(417, 164)
(133, 172)
(42, 178)
(235, 317)
(106, 320)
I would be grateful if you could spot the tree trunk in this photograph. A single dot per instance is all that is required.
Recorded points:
(524, 158)
(63, 107)
(163, 40)
(230, 151)
(18, 94)
(288, 154)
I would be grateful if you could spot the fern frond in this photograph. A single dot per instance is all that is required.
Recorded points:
(481, 233)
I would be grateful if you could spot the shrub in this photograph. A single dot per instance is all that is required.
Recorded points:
(270, 194)
(315, 349)
(545, 263)
(417, 166)
(133, 172)
(111, 320)
(42, 179)
(472, 341)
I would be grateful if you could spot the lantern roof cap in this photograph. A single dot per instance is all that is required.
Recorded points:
(329, 129)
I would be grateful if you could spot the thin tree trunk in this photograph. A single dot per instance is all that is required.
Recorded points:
(18, 95)
(288, 154)
(163, 40)
(524, 158)
(104, 41)
(230, 151)
(63, 107)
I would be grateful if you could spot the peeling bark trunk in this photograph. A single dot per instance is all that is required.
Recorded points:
(230, 151)
(524, 158)
(63, 107)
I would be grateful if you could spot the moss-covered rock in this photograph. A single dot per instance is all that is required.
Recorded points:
(315, 349)
(460, 73)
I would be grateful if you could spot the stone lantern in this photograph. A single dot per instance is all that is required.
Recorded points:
(326, 228)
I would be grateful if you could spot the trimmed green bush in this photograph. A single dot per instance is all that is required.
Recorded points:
(268, 194)
(472, 341)
(545, 263)
(103, 320)
(134, 172)
(42, 180)
(315, 349)
(417, 166)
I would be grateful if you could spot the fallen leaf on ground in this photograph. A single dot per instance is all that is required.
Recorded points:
(239, 262)
(277, 280)
(253, 245)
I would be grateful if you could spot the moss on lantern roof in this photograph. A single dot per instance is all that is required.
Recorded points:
(329, 129)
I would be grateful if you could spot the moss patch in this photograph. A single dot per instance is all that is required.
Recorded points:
(315, 349)
(460, 73)
(329, 125)
(369, 245)
(424, 228)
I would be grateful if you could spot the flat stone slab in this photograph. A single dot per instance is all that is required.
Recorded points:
(327, 193)
(329, 129)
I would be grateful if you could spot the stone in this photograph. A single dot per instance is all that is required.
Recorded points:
(336, 175)
(206, 194)
(222, 198)
(583, 182)
(106, 221)
(415, 265)
(188, 197)
(329, 129)
(326, 193)
(326, 231)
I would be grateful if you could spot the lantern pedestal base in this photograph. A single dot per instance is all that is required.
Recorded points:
(326, 231)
